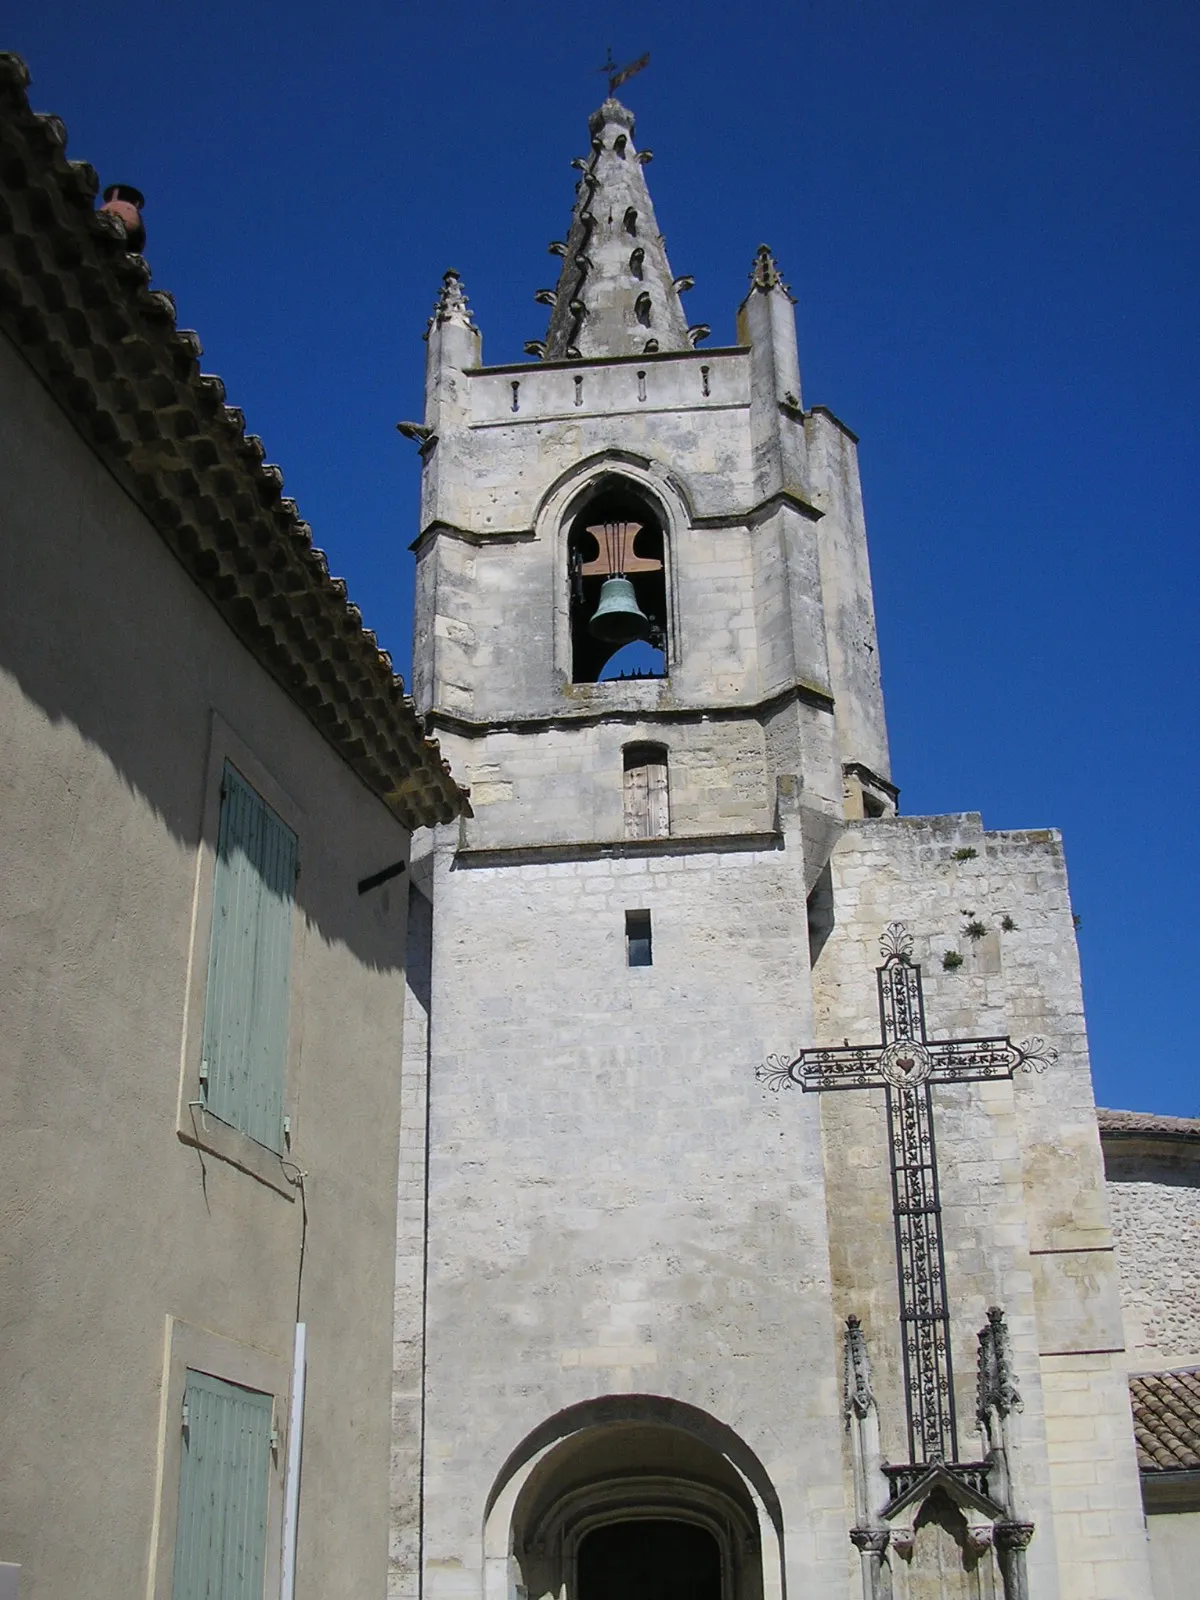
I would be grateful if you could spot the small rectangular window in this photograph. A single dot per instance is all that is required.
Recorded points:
(221, 1532)
(638, 948)
(246, 1000)
(647, 797)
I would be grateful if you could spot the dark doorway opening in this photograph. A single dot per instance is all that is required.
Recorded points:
(649, 1560)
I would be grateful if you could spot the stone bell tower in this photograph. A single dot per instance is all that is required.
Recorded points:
(645, 638)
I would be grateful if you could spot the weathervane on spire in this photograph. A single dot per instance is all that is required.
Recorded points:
(619, 75)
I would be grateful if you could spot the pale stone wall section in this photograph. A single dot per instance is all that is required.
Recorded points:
(1024, 1207)
(615, 1205)
(1174, 1549)
(408, 1375)
(1095, 1491)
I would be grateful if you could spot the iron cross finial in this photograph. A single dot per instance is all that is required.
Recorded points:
(618, 75)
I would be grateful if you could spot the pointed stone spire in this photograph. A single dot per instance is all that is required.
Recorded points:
(765, 273)
(767, 321)
(450, 305)
(616, 295)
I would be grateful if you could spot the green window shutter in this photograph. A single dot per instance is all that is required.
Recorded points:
(224, 1476)
(249, 964)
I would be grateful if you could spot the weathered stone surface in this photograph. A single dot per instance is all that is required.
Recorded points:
(619, 1215)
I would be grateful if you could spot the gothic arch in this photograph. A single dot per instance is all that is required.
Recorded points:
(619, 1459)
(591, 478)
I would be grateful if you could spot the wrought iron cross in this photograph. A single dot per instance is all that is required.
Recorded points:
(907, 1064)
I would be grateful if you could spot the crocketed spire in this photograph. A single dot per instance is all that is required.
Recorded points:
(615, 294)
(451, 303)
(765, 274)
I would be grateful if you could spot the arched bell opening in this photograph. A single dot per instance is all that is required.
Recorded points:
(618, 587)
(635, 1511)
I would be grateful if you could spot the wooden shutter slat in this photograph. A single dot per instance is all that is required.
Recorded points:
(224, 1478)
(246, 1003)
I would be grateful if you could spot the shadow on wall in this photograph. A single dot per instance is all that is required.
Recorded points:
(103, 630)
(657, 1410)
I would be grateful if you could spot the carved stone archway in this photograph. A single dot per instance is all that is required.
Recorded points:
(613, 1469)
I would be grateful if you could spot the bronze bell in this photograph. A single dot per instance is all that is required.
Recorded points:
(618, 618)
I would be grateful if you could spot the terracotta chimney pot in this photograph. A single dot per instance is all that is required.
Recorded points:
(126, 202)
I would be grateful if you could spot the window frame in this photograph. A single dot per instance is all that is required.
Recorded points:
(639, 933)
(196, 1125)
(553, 522)
(189, 1348)
(643, 755)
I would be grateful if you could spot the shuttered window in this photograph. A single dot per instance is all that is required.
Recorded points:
(244, 1050)
(647, 803)
(224, 1476)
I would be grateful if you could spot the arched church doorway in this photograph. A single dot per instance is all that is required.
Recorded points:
(649, 1559)
(634, 1510)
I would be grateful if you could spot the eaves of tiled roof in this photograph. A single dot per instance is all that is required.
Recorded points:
(1118, 1127)
(77, 303)
(1166, 1420)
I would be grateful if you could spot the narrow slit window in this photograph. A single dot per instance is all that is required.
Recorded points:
(639, 949)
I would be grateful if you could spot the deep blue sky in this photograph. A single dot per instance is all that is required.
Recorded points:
(988, 213)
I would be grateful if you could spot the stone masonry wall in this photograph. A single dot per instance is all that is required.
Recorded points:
(1156, 1223)
(1024, 1210)
(615, 1206)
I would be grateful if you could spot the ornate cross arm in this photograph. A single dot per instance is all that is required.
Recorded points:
(850, 1066)
(974, 1060)
(904, 1063)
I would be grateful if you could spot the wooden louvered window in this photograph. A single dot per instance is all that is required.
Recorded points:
(224, 1478)
(246, 1001)
(647, 798)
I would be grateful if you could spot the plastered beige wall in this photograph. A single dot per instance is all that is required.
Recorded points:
(112, 665)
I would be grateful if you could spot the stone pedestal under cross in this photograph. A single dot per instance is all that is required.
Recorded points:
(907, 1065)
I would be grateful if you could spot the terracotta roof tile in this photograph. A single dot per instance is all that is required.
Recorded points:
(1134, 1122)
(77, 303)
(1166, 1420)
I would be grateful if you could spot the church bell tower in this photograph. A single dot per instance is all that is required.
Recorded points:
(655, 1319)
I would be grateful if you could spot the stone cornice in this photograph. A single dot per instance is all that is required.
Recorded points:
(452, 530)
(866, 775)
(615, 849)
(760, 509)
(722, 519)
(77, 303)
(646, 357)
(824, 411)
(480, 727)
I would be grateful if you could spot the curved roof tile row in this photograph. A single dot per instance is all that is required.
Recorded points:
(77, 302)
(1166, 1420)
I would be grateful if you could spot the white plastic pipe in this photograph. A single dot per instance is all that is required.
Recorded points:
(291, 1484)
